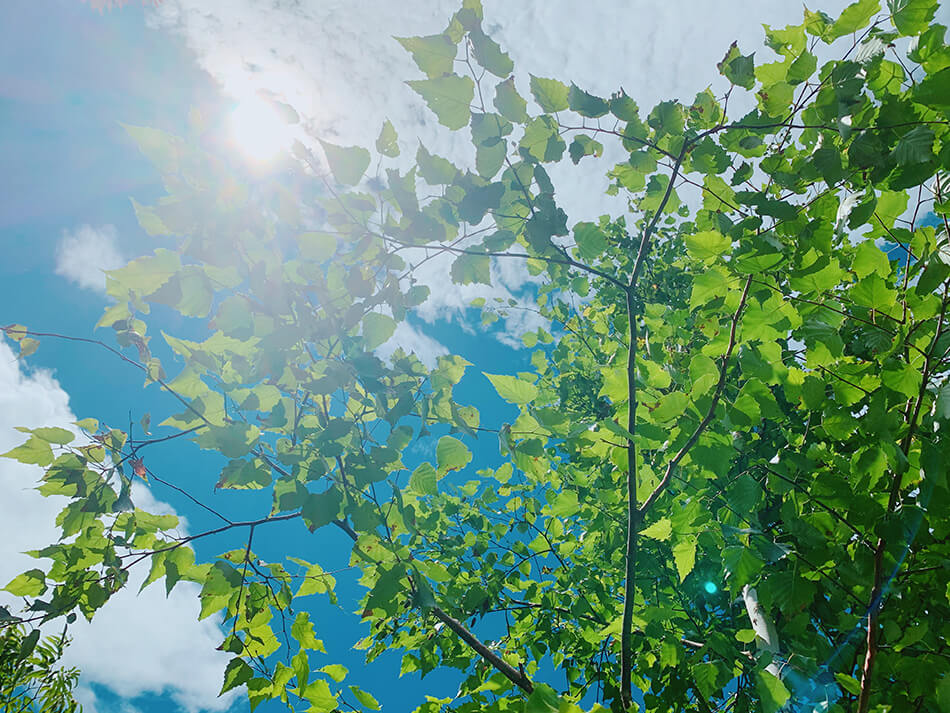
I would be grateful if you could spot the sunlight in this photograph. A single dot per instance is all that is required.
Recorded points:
(258, 129)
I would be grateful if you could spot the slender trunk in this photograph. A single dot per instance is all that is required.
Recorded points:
(877, 590)
(633, 520)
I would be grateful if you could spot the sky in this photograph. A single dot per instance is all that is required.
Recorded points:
(70, 76)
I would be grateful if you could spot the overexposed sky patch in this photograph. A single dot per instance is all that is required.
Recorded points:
(337, 63)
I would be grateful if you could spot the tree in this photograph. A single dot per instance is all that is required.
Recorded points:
(725, 486)
(29, 678)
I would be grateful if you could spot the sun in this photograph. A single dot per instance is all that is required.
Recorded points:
(259, 130)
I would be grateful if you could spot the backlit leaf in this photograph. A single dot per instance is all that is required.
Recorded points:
(348, 163)
(449, 98)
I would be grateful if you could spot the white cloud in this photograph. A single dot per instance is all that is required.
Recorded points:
(135, 644)
(414, 340)
(84, 254)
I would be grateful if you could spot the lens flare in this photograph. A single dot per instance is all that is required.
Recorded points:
(710, 587)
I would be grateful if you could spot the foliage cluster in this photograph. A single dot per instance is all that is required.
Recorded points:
(30, 679)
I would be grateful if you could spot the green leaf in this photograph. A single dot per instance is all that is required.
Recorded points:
(849, 683)
(335, 671)
(670, 406)
(489, 55)
(738, 68)
(28, 644)
(742, 565)
(550, 94)
(684, 555)
(709, 678)
(54, 434)
(318, 247)
(302, 631)
(590, 239)
(624, 108)
(656, 376)
(659, 530)
(468, 269)
(565, 504)
(451, 454)
(874, 293)
(244, 475)
(89, 425)
(315, 581)
(448, 97)
(488, 134)
(144, 276)
(943, 687)
(584, 146)
(870, 259)
(543, 699)
(772, 692)
(512, 389)
(424, 480)
(434, 170)
(586, 104)
(707, 245)
(377, 329)
(28, 347)
(434, 54)
(542, 139)
(509, 102)
(912, 17)
(233, 440)
(348, 163)
(320, 697)
(236, 674)
(388, 142)
(35, 451)
(934, 90)
(31, 583)
(902, 378)
(365, 698)
(388, 590)
(916, 146)
(479, 200)
(855, 17)
(322, 508)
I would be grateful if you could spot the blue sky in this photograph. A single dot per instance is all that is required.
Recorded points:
(69, 76)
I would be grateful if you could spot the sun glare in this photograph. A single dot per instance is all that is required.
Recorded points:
(259, 131)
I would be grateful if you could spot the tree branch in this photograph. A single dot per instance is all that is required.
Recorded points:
(510, 672)
(711, 411)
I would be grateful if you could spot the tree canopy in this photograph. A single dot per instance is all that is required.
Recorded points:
(726, 483)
